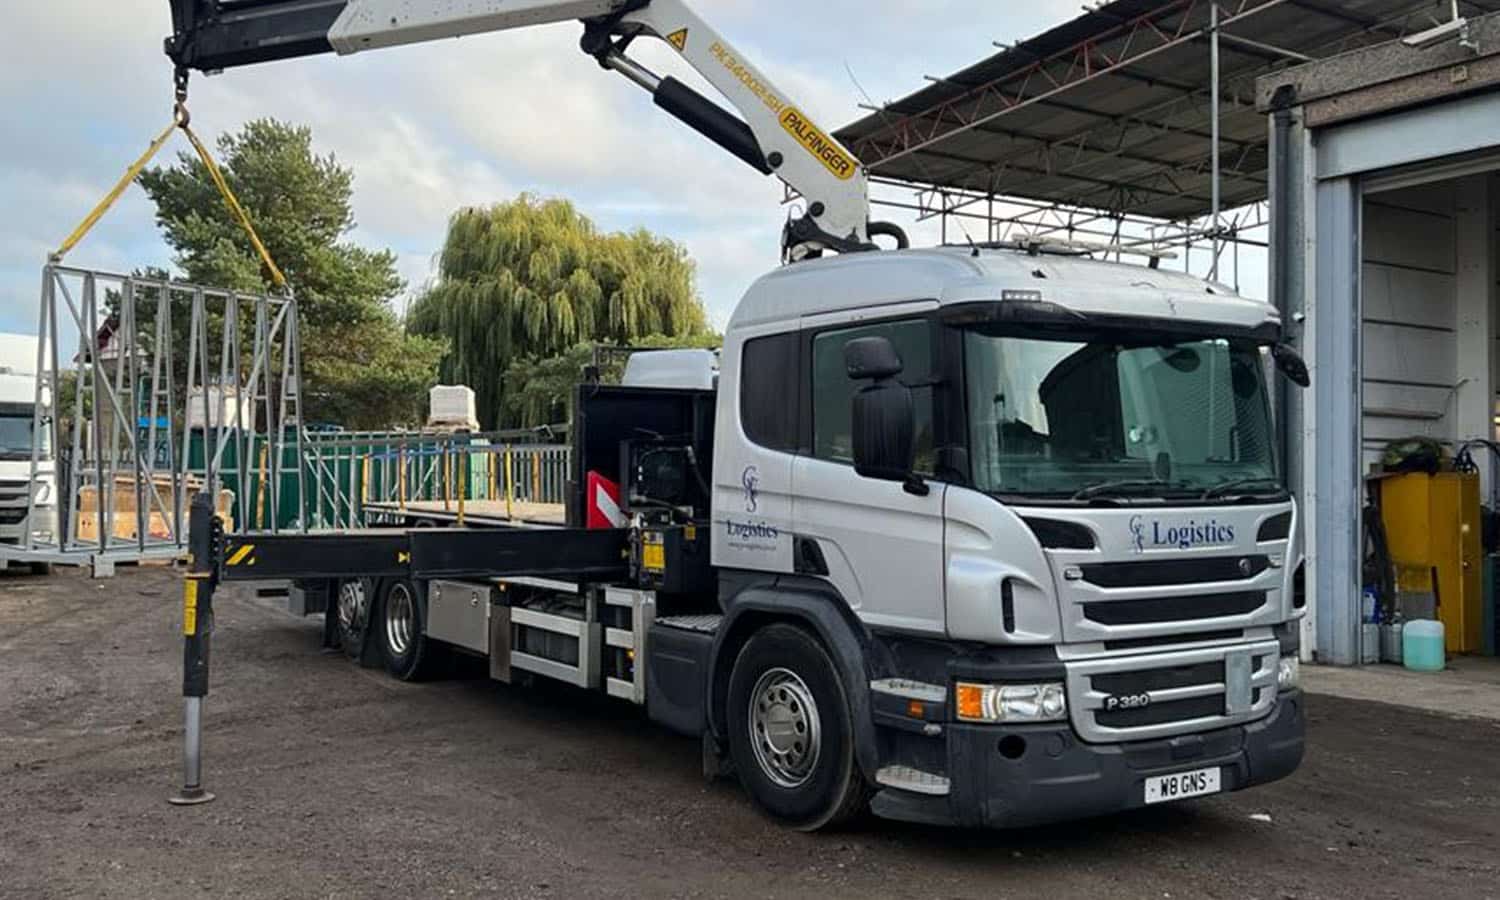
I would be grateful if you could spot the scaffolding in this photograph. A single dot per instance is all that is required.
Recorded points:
(1133, 125)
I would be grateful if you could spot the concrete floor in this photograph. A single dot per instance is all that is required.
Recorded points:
(1470, 686)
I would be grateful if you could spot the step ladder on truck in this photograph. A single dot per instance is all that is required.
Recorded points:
(989, 535)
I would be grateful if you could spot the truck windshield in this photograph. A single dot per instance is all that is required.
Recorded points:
(1118, 416)
(15, 431)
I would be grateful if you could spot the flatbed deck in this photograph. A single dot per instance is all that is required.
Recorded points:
(496, 512)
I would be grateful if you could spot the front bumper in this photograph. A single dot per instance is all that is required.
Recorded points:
(1056, 777)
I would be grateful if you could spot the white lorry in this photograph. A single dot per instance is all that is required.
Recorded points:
(19, 420)
(981, 535)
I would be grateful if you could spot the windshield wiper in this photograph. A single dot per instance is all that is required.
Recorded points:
(1125, 484)
(1220, 490)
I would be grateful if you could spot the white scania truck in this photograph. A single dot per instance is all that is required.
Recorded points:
(980, 535)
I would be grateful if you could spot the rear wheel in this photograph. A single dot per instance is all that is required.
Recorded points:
(790, 732)
(408, 654)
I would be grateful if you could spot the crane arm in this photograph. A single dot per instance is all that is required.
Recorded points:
(771, 133)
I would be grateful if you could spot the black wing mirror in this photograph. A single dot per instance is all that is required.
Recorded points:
(1290, 363)
(883, 415)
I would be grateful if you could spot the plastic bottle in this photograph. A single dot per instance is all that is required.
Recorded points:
(1422, 646)
(1390, 640)
(1369, 644)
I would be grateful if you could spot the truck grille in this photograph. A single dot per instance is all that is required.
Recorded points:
(1174, 609)
(1181, 570)
(1162, 713)
(1135, 682)
(1189, 691)
(10, 515)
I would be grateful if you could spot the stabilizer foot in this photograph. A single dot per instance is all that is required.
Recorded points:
(191, 797)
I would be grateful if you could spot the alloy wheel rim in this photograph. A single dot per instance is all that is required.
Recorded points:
(400, 619)
(785, 730)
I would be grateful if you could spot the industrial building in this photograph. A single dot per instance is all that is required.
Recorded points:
(1385, 183)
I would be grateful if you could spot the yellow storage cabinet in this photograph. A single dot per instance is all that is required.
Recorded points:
(1432, 521)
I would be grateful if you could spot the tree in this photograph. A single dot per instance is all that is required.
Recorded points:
(360, 368)
(531, 279)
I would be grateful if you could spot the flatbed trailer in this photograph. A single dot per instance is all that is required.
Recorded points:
(519, 583)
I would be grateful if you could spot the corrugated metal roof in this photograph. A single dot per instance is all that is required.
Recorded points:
(1111, 110)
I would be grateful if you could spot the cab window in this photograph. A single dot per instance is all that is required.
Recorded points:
(833, 391)
(769, 407)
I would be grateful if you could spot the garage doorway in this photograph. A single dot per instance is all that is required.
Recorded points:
(1429, 332)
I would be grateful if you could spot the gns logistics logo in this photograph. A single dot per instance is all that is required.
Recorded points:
(1183, 536)
(751, 530)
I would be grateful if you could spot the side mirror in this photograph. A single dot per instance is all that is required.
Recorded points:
(883, 417)
(1290, 363)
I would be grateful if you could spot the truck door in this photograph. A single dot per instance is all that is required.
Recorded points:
(882, 546)
(756, 439)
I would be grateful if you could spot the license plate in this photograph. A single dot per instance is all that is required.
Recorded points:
(1181, 785)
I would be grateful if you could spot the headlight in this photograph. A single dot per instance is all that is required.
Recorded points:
(1288, 673)
(1011, 702)
(43, 492)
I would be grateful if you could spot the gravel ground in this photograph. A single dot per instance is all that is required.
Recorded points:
(335, 781)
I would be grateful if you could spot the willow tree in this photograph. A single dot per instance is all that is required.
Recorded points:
(532, 278)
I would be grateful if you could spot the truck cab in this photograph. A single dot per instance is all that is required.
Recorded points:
(1045, 490)
(26, 505)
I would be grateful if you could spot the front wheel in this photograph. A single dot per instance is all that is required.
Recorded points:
(407, 651)
(790, 732)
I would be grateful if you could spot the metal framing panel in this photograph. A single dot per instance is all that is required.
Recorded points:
(147, 350)
(373, 478)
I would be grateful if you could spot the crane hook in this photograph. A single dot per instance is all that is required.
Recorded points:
(180, 113)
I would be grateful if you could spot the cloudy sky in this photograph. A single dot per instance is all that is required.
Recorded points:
(431, 128)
